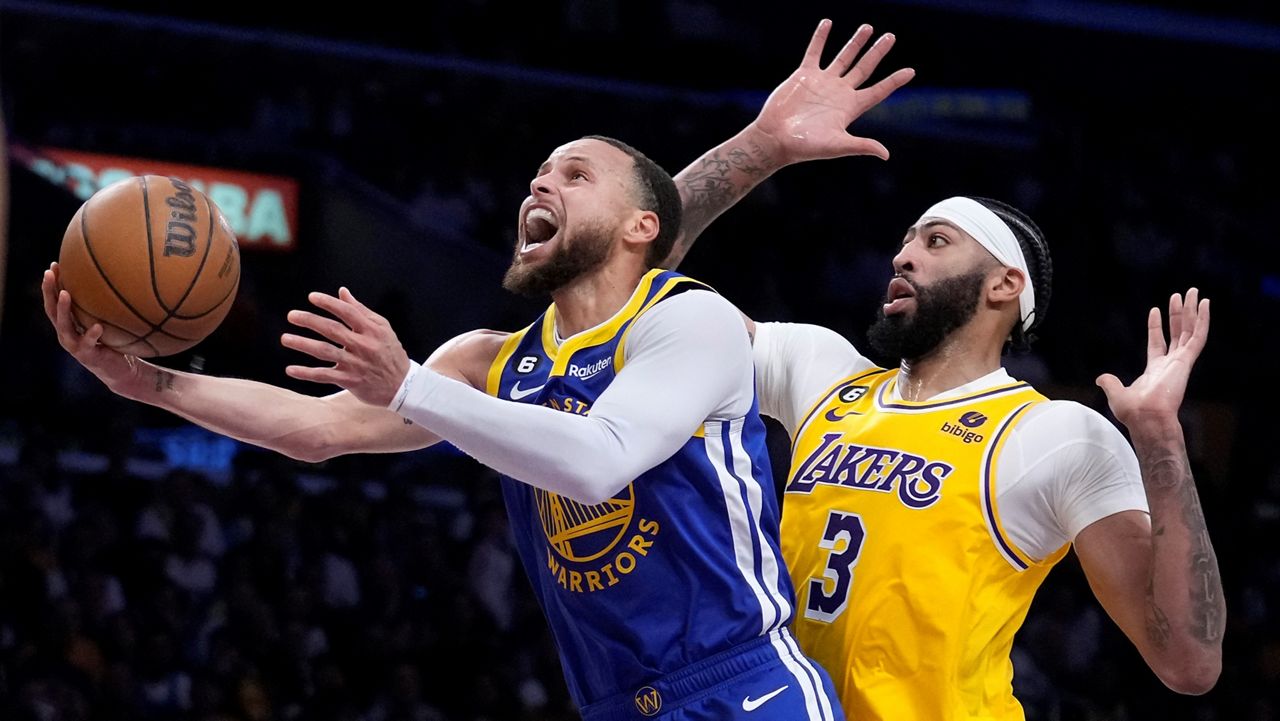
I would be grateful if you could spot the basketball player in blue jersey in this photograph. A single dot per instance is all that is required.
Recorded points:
(946, 478)
(643, 515)
(625, 424)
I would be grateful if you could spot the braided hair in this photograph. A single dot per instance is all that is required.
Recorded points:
(1036, 251)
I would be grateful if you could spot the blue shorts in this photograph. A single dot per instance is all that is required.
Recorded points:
(766, 679)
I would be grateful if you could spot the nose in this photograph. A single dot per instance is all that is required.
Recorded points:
(904, 261)
(539, 186)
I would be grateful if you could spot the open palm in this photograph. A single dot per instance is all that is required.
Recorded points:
(1158, 392)
(809, 114)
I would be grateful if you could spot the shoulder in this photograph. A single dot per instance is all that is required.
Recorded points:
(696, 323)
(1072, 437)
(809, 349)
(693, 311)
(1069, 421)
(806, 334)
(694, 295)
(469, 355)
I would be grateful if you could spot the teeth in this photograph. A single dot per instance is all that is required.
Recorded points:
(529, 246)
(541, 214)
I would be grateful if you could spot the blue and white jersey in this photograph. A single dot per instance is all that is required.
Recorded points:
(681, 564)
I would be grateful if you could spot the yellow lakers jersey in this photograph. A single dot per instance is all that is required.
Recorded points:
(907, 589)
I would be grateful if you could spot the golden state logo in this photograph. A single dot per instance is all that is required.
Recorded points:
(590, 548)
(648, 701)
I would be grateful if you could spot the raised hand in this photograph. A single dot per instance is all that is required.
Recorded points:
(1157, 394)
(367, 357)
(112, 368)
(809, 114)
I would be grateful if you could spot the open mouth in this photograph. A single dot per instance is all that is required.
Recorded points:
(540, 227)
(899, 295)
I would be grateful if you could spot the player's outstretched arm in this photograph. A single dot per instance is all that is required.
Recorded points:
(1158, 577)
(688, 360)
(304, 427)
(807, 117)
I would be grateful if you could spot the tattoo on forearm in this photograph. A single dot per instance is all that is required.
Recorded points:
(711, 189)
(1208, 620)
(1157, 621)
(708, 188)
(1167, 471)
(745, 160)
(164, 381)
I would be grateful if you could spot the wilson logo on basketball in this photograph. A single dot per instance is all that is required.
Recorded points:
(597, 541)
(181, 238)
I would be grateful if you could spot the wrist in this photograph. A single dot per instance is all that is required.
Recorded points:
(406, 386)
(1155, 429)
(141, 380)
(767, 149)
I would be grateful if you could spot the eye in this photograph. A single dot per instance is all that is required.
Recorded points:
(937, 240)
(578, 174)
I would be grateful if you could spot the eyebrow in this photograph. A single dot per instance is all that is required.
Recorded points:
(948, 224)
(912, 230)
(579, 158)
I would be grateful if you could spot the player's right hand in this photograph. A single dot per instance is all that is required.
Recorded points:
(111, 367)
(809, 114)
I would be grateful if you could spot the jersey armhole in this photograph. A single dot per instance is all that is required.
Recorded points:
(1016, 557)
(673, 287)
(494, 380)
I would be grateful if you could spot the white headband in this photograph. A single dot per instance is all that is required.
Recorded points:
(993, 234)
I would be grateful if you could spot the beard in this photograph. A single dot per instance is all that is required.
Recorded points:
(940, 309)
(573, 258)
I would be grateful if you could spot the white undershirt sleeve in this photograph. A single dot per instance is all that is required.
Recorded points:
(1064, 467)
(796, 363)
(687, 360)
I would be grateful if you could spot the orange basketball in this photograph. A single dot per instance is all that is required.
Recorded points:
(154, 261)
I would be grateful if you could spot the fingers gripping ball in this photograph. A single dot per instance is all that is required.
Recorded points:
(154, 261)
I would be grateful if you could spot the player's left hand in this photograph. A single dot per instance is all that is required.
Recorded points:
(367, 357)
(1157, 394)
(809, 113)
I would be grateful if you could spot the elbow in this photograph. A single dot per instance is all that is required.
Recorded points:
(1193, 677)
(305, 453)
(593, 489)
(313, 447)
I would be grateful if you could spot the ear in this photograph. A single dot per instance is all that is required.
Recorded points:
(642, 227)
(1005, 284)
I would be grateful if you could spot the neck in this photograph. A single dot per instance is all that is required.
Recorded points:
(958, 360)
(594, 298)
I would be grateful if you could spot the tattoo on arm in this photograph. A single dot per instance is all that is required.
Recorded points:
(719, 181)
(164, 380)
(1169, 472)
(1208, 608)
(1157, 621)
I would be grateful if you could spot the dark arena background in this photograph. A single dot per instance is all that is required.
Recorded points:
(150, 570)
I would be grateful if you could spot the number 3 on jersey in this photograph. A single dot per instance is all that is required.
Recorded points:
(838, 575)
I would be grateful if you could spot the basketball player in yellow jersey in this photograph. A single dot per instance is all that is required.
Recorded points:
(926, 503)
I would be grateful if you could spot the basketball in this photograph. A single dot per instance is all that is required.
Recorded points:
(154, 261)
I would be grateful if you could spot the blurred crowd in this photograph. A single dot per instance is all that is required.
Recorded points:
(266, 596)
(381, 589)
